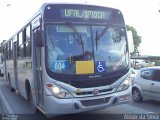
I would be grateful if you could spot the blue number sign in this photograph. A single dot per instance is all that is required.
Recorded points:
(60, 65)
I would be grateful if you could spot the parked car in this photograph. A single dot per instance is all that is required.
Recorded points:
(133, 72)
(146, 84)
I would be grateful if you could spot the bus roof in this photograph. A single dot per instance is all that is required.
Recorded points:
(42, 7)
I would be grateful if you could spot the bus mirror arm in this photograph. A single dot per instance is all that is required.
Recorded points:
(39, 38)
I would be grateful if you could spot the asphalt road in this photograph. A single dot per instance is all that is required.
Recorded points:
(11, 104)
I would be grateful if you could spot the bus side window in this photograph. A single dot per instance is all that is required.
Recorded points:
(28, 42)
(20, 46)
(9, 50)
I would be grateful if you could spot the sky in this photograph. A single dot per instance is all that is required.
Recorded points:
(143, 15)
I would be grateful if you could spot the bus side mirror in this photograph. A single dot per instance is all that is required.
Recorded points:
(38, 38)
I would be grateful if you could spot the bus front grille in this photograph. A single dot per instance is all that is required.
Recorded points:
(91, 92)
(95, 101)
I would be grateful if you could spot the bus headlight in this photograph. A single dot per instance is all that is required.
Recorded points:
(58, 91)
(125, 84)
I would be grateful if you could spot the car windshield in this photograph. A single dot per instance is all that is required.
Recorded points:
(80, 49)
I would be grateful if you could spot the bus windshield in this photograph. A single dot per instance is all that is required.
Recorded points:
(85, 49)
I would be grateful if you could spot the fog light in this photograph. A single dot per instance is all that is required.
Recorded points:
(124, 98)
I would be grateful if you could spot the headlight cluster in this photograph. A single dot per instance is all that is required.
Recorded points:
(125, 84)
(58, 91)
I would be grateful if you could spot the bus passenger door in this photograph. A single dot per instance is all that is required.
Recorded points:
(38, 62)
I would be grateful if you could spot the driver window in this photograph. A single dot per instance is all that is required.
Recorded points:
(54, 50)
(74, 47)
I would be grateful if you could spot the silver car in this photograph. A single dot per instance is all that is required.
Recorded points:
(133, 73)
(146, 83)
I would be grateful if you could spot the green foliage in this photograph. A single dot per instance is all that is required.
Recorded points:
(157, 63)
(1, 46)
(136, 39)
(1, 49)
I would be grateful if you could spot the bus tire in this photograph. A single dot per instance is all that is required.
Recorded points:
(1, 73)
(33, 107)
(11, 88)
(27, 86)
(31, 103)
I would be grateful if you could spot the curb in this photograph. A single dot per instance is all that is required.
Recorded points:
(4, 104)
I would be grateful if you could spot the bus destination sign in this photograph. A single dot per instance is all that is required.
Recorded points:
(81, 13)
(84, 14)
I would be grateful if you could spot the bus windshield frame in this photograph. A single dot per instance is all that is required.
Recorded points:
(79, 29)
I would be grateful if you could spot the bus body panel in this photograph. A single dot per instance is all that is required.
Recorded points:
(10, 73)
(67, 106)
(25, 73)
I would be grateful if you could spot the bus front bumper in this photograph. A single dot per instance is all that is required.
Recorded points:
(54, 106)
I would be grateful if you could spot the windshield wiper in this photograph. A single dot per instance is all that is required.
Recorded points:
(98, 36)
(50, 38)
(77, 35)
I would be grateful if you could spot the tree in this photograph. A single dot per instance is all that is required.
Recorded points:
(1, 46)
(136, 39)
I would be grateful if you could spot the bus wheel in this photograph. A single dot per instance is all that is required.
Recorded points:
(1, 73)
(33, 107)
(11, 88)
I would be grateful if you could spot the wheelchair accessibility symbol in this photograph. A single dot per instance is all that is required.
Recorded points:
(100, 66)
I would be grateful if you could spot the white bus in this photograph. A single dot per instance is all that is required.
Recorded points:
(70, 58)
